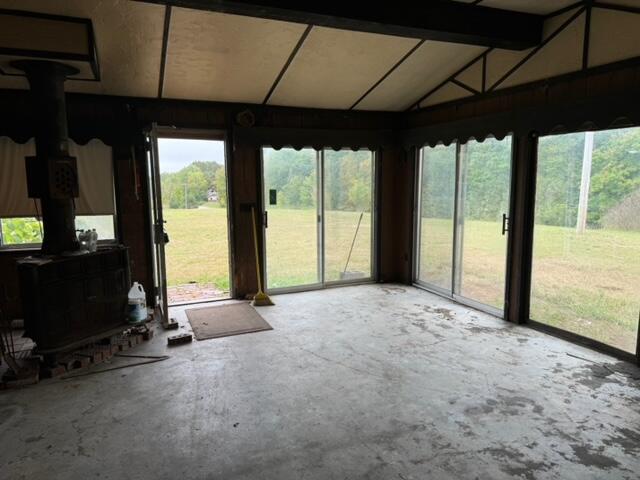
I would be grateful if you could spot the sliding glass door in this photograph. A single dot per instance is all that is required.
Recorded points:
(318, 218)
(586, 256)
(348, 215)
(463, 201)
(483, 204)
(292, 217)
(436, 219)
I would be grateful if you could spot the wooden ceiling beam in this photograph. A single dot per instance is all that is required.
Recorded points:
(440, 20)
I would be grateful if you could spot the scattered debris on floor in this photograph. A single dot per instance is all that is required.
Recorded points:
(146, 359)
(26, 366)
(170, 324)
(179, 339)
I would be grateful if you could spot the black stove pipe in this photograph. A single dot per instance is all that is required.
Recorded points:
(49, 108)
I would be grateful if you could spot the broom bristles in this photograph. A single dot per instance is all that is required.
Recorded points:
(261, 299)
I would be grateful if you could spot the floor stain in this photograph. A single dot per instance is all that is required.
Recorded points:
(593, 458)
(515, 463)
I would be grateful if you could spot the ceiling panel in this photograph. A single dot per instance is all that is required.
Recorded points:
(128, 37)
(428, 66)
(221, 57)
(335, 67)
(614, 36)
(446, 94)
(472, 76)
(561, 55)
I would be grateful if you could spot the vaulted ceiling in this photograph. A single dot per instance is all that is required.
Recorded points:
(225, 57)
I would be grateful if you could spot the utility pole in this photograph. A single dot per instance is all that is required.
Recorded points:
(585, 182)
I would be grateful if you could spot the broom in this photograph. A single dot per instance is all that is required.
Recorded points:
(260, 299)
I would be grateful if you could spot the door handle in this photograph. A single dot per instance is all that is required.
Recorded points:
(505, 223)
(265, 220)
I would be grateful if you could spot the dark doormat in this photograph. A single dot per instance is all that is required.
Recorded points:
(225, 320)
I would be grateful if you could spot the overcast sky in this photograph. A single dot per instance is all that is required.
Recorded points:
(176, 154)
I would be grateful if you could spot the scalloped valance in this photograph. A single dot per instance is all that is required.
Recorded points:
(600, 114)
(299, 138)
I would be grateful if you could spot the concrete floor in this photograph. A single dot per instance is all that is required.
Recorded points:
(375, 382)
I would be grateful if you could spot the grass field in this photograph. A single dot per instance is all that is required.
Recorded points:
(292, 240)
(198, 248)
(588, 284)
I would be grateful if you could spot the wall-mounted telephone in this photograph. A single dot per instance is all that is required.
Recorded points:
(54, 177)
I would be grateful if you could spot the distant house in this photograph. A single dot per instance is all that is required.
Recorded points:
(212, 195)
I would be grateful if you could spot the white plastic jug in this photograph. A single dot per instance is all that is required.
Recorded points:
(137, 304)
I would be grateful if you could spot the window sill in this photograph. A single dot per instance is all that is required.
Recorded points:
(35, 248)
(19, 249)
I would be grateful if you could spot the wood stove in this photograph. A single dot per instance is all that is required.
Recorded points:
(69, 297)
(71, 301)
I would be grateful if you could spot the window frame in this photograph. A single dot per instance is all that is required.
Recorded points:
(456, 245)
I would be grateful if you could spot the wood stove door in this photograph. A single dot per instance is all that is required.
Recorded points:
(158, 235)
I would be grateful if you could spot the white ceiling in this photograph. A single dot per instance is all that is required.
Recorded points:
(129, 40)
(335, 67)
(213, 56)
(426, 68)
(221, 57)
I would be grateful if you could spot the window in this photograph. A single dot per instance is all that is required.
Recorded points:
(463, 200)
(586, 255)
(28, 230)
(437, 204)
(95, 207)
(320, 216)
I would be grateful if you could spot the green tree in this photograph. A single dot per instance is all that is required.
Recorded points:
(220, 183)
(17, 231)
(189, 187)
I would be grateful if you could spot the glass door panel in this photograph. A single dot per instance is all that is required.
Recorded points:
(292, 218)
(586, 256)
(194, 205)
(463, 201)
(348, 213)
(483, 204)
(436, 215)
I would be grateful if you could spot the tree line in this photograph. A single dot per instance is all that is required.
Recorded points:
(485, 167)
(348, 179)
(190, 186)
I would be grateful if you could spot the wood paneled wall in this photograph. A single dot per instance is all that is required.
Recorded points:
(120, 123)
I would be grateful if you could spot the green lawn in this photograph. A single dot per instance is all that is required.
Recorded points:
(198, 251)
(198, 248)
(588, 284)
(292, 246)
